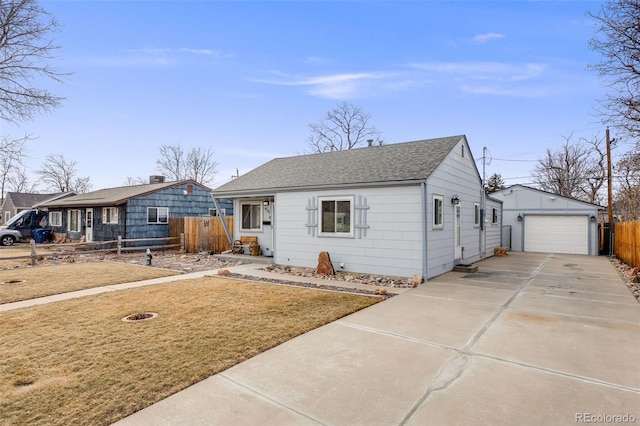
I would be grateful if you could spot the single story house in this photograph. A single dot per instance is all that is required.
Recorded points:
(15, 202)
(541, 221)
(138, 211)
(397, 209)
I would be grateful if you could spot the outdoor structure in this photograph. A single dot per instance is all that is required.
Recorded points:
(544, 222)
(15, 202)
(139, 211)
(398, 209)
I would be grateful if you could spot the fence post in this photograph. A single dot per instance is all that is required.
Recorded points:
(32, 244)
(119, 245)
(182, 247)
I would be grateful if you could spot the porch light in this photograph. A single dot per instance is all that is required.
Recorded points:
(265, 203)
(455, 199)
(593, 218)
(519, 218)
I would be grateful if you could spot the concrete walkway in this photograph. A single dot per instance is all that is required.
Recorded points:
(531, 339)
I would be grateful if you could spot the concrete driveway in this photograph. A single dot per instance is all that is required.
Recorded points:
(530, 339)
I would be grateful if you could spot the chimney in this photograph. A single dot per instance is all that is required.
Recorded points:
(156, 179)
(370, 142)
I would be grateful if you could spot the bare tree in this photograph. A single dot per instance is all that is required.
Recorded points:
(171, 162)
(11, 156)
(60, 175)
(495, 183)
(627, 197)
(576, 170)
(26, 48)
(19, 181)
(197, 164)
(132, 181)
(344, 127)
(200, 165)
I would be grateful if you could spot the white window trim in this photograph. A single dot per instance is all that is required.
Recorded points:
(113, 216)
(55, 218)
(494, 216)
(434, 223)
(476, 215)
(158, 221)
(349, 234)
(251, 203)
(79, 221)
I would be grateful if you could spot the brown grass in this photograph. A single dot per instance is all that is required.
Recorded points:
(48, 280)
(76, 362)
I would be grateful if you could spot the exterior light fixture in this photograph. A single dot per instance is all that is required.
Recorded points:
(519, 218)
(593, 218)
(265, 203)
(455, 199)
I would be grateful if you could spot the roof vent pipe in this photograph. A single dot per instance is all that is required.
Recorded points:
(370, 142)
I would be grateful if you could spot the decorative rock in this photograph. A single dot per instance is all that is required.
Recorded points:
(500, 251)
(224, 272)
(415, 280)
(325, 267)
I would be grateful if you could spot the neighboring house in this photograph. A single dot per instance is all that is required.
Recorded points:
(541, 221)
(397, 209)
(15, 202)
(139, 211)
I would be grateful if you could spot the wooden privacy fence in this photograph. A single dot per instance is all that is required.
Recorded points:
(202, 234)
(627, 242)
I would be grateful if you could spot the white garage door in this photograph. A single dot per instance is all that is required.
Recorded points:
(556, 234)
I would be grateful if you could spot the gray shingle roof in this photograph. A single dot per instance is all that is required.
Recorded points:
(114, 196)
(401, 162)
(22, 199)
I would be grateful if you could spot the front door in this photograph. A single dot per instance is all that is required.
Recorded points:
(89, 225)
(266, 240)
(457, 227)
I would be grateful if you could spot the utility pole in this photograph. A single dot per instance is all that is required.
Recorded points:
(609, 196)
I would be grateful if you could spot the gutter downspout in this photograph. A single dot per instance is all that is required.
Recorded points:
(224, 222)
(425, 225)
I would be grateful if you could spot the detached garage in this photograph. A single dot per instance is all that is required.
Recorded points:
(544, 222)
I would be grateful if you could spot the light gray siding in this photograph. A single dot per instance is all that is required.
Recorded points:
(456, 175)
(523, 201)
(392, 244)
(493, 229)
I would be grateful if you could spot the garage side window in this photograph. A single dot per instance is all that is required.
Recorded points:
(438, 203)
(494, 216)
(251, 216)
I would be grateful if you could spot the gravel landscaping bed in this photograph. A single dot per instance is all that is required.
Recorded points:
(631, 276)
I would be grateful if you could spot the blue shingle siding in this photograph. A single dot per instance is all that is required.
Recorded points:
(108, 231)
(197, 203)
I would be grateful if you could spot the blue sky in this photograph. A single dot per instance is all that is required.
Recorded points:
(246, 78)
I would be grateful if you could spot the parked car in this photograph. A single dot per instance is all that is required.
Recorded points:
(9, 236)
(27, 221)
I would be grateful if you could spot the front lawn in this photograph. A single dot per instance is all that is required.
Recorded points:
(28, 283)
(77, 362)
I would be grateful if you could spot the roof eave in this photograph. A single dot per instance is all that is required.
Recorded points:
(271, 191)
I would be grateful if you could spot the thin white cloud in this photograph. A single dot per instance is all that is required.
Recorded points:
(491, 78)
(165, 50)
(485, 70)
(496, 90)
(152, 57)
(485, 38)
(337, 86)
